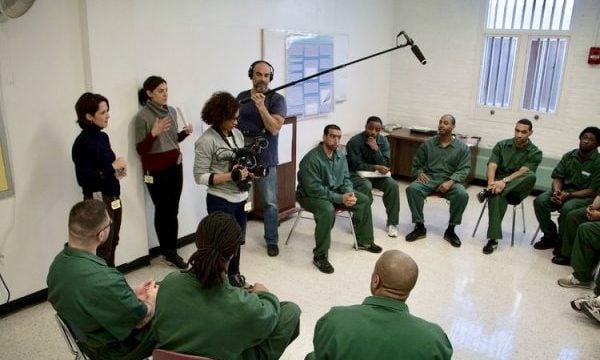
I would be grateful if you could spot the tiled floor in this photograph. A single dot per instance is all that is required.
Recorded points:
(506, 305)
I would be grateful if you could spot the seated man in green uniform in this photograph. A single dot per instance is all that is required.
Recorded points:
(323, 183)
(510, 177)
(198, 312)
(586, 250)
(94, 298)
(440, 165)
(381, 327)
(370, 151)
(571, 189)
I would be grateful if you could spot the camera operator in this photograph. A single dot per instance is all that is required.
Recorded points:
(216, 166)
(264, 116)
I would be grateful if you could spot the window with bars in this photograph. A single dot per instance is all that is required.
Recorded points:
(539, 24)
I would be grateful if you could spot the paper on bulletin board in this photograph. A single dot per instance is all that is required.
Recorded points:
(284, 146)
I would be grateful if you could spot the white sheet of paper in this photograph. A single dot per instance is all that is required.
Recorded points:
(284, 148)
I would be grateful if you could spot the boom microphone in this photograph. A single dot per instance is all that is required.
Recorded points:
(415, 49)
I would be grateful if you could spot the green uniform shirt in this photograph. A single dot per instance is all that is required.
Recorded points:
(442, 163)
(220, 322)
(577, 174)
(323, 177)
(380, 328)
(362, 158)
(97, 300)
(510, 159)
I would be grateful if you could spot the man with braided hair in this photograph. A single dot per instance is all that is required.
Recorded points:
(199, 312)
(381, 327)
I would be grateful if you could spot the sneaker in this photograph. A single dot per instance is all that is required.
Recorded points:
(571, 281)
(490, 246)
(417, 233)
(238, 280)
(451, 237)
(374, 248)
(561, 260)
(591, 310)
(577, 304)
(544, 244)
(323, 264)
(272, 250)
(392, 230)
(176, 260)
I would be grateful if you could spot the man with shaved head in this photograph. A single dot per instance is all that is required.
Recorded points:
(381, 327)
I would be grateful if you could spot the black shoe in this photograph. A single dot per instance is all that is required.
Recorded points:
(561, 260)
(176, 260)
(452, 238)
(556, 251)
(238, 280)
(490, 246)
(374, 248)
(544, 244)
(417, 233)
(272, 250)
(323, 265)
(483, 194)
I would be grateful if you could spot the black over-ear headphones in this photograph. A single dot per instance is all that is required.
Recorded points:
(251, 69)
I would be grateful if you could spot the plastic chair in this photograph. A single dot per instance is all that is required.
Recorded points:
(340, 210)
(514, 213)
(160, 354)
(70, 335)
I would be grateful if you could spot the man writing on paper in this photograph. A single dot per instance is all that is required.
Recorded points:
(369, 165)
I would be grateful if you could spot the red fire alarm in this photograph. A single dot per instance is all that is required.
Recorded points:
(594, 57)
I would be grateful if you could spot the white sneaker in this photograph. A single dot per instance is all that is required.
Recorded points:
(577, 304)
(392, 230)
(592, 309)
(572, 281)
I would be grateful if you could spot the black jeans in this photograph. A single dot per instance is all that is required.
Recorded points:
(165, 192)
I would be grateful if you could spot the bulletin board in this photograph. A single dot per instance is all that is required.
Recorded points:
(6, 187)
(298, 55)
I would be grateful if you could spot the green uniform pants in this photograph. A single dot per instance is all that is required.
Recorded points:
(416, 193)
(586, 251)
(514, 192)
(286, 330)
(572, 222)
(391, 194)
(543, 207)
(324, 213)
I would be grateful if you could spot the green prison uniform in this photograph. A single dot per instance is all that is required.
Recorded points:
(510, 159)
(573, 221)
(322, 181)
(222, 322)
(441, 164)
(362, 158)
(586, 253)
(577, 175)
(97, 300)
(380, 328)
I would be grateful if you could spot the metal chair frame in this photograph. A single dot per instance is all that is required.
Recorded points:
(339, 211)
(70, 338)
(514, 214)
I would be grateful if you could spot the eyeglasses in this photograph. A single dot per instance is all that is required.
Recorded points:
(105, 227)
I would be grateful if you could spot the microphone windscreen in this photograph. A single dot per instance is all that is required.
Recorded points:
(415, 49)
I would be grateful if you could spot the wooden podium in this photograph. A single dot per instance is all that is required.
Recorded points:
(286, 176)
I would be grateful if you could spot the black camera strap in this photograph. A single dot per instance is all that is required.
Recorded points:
(225, 139)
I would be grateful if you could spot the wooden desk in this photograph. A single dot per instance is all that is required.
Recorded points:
(286, 183)
(404, 145)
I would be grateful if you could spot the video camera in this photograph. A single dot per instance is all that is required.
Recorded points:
(246, 158)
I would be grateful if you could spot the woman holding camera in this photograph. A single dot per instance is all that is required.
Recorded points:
(97, 168)
(157, 142)
(216, 166)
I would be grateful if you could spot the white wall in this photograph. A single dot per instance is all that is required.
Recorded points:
(61, 48)
(449, 33)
